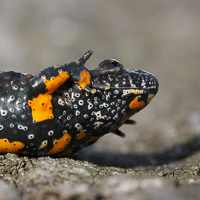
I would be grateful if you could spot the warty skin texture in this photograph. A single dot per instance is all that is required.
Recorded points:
(65, 108)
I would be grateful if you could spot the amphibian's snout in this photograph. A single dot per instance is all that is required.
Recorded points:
(142, 82)
(137, 87)
(142, 86)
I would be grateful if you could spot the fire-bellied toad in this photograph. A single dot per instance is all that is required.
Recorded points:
(67, 107)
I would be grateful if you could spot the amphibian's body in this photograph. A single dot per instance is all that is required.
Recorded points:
(68, 107)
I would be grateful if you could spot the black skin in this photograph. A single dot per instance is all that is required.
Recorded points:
(80, 114)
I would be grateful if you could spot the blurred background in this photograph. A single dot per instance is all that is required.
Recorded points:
(159, 36)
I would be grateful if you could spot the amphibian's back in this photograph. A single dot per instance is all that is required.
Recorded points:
(67, 107)
(14, 88)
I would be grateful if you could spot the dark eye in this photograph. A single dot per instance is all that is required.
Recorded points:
(115, 63)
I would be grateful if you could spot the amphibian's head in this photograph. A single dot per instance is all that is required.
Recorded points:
(135, 87)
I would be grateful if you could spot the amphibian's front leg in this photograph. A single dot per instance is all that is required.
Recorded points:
(84, 77)
(43, 85)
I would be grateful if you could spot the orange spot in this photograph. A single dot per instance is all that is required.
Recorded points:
(12, 147)
(60, 144)
(137, 91)
(92, 139)
(54, 83)
(81, 135)
(41, 107)
(136, 104)
(67, 153)
(44, 144)
(85, 79)
(149, 99)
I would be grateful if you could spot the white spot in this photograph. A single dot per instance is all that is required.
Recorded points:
(14, 116)
(12, 125)
(35, 84)
(97, 124)
(90, 105)
(73, 99)
(98, 115)
(15, 87)
(115, 117)
(116, 85)
(80, 102)
(18, 101)
(4, 112)
(43, 77)
(61, 102)
(78, 126)
(77, 95)
(1, 127)
(50, 133)
(108, 109)
(11, 110)
(30, 136)
(116, 92)
(109, 119)
(143, 84)
(21, 88)
(107, 97)
(113, 111)
(105, 105)
(123, 111)
(77, 113)
(20, 127)
(25, 128)
(91, 119)
(23, 117)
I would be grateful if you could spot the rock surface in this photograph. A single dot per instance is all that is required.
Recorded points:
(65, 178)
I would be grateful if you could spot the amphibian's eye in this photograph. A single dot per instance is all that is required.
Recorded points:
(114, 62)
